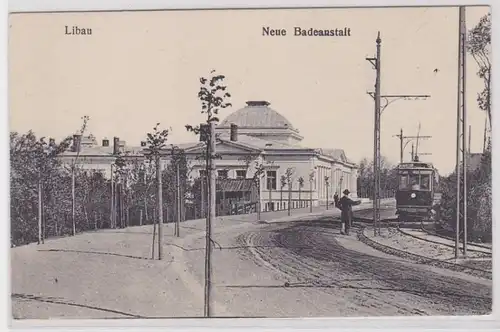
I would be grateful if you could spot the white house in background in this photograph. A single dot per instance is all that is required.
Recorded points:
(253, 133)
(259, 132)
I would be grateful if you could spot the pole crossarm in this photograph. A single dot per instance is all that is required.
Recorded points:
(373, 61)
(411, 138)
(389, 99)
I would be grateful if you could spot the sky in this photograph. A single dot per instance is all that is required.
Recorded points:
(140, 68)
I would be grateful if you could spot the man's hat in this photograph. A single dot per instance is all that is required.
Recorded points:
(346, 192)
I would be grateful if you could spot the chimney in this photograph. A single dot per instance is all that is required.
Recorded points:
(143, 143)
(77, 139)
(258, 103)
(204, 132)
(116, 145)
(105, 142)
(234, 132)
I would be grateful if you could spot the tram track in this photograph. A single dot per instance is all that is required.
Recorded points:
(308, 254)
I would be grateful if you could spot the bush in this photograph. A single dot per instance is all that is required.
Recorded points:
(479, 201)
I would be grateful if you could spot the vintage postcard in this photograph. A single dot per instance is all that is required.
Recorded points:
(327, 162)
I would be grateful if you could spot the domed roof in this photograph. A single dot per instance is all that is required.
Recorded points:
(257, 114)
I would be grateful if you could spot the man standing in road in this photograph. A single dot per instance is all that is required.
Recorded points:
(345, 205)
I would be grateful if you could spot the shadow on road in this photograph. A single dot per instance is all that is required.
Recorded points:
(340, 286)
(92, 253)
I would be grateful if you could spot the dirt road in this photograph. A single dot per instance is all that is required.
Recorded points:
(283, 269)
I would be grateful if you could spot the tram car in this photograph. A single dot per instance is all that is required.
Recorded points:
(417, 198)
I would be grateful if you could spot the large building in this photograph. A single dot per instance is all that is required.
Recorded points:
(254, 135)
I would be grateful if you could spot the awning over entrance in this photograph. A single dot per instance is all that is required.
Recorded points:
(235, 185)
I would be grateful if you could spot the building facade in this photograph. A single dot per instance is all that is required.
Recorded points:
(252, 136)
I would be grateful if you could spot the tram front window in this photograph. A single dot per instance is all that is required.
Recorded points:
(425, 182)
(414, 183)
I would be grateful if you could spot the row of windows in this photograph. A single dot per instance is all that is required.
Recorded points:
(242, 174)
(223, 174)
(271, 177)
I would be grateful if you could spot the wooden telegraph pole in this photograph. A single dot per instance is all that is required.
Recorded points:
(177, 225)
(311, 178)
(402, 143)
(210, 218)
(160, 205)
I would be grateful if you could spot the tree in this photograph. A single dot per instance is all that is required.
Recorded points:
(327, 184)
(213, 97)
(157, 142)
(258, 174)
(288, 175)
(83, 128)
(282, 185)
(479, 46)
(301, 185)
(176, 185)
(38, 187)
(388, 178)
(311, 180)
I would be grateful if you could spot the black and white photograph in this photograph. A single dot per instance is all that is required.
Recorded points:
(250, 163)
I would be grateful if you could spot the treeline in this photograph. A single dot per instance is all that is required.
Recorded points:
(41, 191)
(479, 181)
(479, 201)
(388, 179)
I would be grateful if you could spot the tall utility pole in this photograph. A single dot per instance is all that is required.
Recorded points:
(468, 144)
(311, 178)
(210, 218)
(40, 238)
(376, 63)
(112, 208)
(326, 184)
(177, 224)
(289, 196)
(461, 162)
(160, 205)
(403, 143)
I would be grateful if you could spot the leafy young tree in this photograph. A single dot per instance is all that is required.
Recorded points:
(213, 96)
(301, 185)
(83, 128)
(36, 178)
(288, 175)
(282, 185)
(157, 142)
(258, 175)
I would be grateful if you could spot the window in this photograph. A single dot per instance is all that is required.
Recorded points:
(425, 182)
(271, 180)
(241, 174)
(222, 173)
(403, 181)
(414, 180)
(203, 173)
